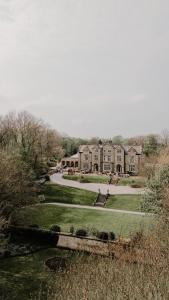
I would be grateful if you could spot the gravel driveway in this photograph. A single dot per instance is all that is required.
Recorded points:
(95, 187)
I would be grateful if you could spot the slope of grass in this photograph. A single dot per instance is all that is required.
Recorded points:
(64, 194)
(21, 277)
(46, 215)
(126, 202)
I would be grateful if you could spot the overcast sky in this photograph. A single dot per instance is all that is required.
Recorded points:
(87, 67)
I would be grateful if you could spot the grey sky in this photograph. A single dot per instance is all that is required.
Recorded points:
(87, 67)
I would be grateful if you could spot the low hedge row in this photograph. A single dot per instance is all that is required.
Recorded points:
(81, 232)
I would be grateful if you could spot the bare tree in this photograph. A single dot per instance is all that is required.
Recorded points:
(36, 142)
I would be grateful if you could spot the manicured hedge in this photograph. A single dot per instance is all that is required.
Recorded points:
(81, 232)
(55, 228)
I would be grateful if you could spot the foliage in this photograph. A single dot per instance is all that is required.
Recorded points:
(151, 145)
(156, 187)
(35, 141)
(103, 235)
(71, 145)
(72, 229)
(117, 140)
(16, 183)
(112, 236)
(81, 232)
(55, 228)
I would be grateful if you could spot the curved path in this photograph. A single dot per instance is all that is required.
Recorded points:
(95, 187)
(98, 208)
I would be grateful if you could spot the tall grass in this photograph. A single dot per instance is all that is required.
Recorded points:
(99, 278)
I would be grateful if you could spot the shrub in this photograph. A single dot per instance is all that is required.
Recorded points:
(83, 180)
(55, 228)
(135, 185)
(94, 231)
(112, 236)
(81, 232)
(47, 177)
(72, 230)
(34, 226)
(103, 236)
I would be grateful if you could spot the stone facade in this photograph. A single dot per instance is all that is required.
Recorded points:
(70, 162)
(108, 158)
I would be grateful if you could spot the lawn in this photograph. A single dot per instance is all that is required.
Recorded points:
(105, 179)
(64, 194)
(132, 181)
(126, 202)
(88, 178)
(21, 277)
(46, 215)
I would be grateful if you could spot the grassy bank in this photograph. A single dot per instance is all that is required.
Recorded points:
(125, 202)
(46, 215)
(63, 194)
(22, 277)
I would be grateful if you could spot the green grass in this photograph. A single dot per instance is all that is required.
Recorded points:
(46, 215)
(130, 181)
(21, 277)
(126, 202)
(88, 178)
(105, 179)
(64, 194)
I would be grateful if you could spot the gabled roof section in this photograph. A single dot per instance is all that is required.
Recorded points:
(83, 148)
(138, 149)
(75, 156)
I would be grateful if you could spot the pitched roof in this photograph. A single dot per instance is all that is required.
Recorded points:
(88, 148)
(138, 149)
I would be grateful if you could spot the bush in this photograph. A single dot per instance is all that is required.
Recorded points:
(136, 185)
(55, 228)
(83, 180)
(34, 226)
(81, 232)
(94, 231)
(112, 236)
(103, 236)
(33, 235)
(72, 230)
(47, 177)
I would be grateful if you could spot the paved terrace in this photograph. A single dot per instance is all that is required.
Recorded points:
(94, 187)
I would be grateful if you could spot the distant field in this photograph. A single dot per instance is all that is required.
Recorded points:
(105, 179)
(46, 215)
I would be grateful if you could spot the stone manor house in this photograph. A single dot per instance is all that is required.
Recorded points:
(106, 158)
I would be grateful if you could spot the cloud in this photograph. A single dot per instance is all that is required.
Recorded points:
(86, 67)
(140, 98)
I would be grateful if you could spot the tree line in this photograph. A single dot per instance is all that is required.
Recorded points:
(29, 147)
